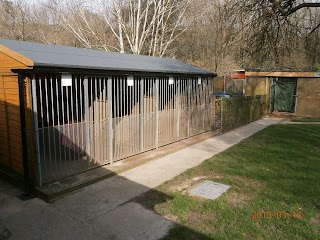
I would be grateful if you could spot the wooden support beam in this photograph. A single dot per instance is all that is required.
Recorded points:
(284, 74)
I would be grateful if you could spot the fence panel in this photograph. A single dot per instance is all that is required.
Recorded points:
(239, 111)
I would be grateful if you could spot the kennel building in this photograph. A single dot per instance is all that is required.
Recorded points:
(65, 110)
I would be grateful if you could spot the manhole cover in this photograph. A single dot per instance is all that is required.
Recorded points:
(209, 189)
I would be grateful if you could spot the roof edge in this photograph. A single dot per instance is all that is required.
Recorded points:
(16, 56)
(101, 71)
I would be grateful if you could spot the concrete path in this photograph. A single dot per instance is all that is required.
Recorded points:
(104, 210)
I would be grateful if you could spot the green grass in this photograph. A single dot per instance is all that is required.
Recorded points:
(277, 169)
(305, 119)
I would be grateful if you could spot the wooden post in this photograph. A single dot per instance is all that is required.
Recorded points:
(30, 129)
(24, 141)
(213, 112)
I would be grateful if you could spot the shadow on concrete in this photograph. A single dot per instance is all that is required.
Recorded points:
(105, 210)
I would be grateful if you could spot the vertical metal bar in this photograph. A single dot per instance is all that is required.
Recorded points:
(71, 123)
(81, 129)
(142, 82)
(58, 124)
(168, 111)
(127, 117)
(157, 81)
(95, 120)
(63, 123)
(110, 102)
(132, 116)
(107, 116)
(53, 127)
(92, 123)
(123, 107)
(169, 105)
(117, 103)
(136, 105)
(137, 146)
(98, 121)
(77, 140)
(189, 106)
(36, 130)
(48, 122)
(103, 117)
(42, 127)
(178, 106)
(87, 118)
(204, 85)
(68, 124)
(208, 104)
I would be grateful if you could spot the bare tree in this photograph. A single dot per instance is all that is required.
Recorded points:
(14, 20)
(275, 30)
(212, 36)
(138, 26)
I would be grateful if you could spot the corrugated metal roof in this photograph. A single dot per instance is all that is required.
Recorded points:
(46, 55)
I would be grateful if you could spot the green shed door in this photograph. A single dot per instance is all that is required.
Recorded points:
(284, 95)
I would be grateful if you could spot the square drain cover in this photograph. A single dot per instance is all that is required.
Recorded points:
(208, 189)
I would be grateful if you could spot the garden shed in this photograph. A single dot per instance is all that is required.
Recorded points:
(65, 110)
(291, 92)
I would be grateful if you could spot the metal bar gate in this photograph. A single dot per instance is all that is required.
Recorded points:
(84, 122)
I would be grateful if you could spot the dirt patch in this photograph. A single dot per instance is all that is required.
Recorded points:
(172, 217)
(184, 183)
(237, 199)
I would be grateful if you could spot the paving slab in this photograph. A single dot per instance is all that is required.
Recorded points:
(131, 221)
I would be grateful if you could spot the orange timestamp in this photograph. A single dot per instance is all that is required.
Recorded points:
(276, 215)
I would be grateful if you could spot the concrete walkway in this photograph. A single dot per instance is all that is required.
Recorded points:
(104, 210)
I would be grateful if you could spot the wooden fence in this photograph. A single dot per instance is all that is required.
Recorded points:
(239, 111)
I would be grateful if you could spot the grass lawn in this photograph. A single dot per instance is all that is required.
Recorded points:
(275, 173)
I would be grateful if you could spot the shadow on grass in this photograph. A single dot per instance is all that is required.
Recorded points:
(154, 198)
